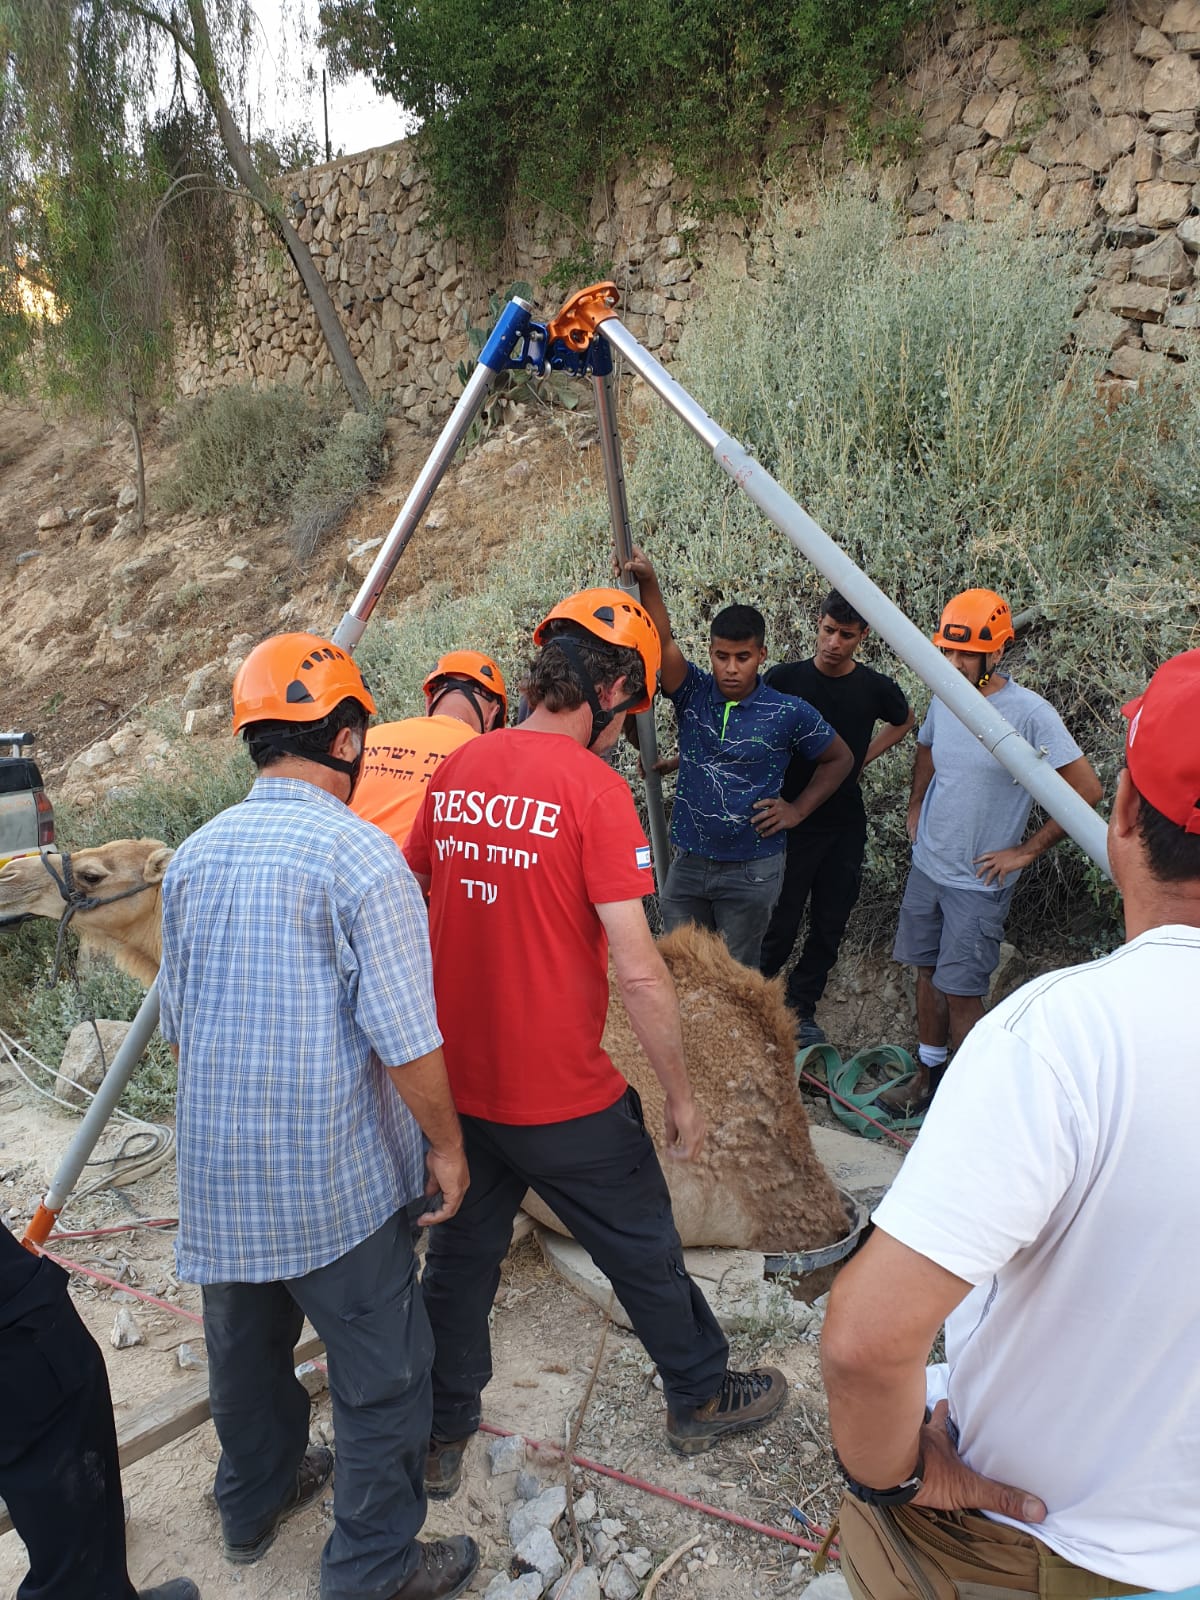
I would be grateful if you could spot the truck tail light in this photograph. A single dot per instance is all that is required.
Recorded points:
(45, 816)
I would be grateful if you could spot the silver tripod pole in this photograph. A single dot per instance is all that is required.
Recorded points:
(493, 358)
(618, 510)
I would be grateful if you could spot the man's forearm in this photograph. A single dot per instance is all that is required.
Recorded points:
(651, 597)
(826, 779)
(425, 1089)
(922, 775)
(653, 1011)
(875, 1417)
(886, 739)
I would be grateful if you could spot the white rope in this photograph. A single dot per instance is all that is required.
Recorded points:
(125, 1168)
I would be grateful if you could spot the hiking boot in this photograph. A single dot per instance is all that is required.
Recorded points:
(315, 1472)
(173, 1589)
(910, 1097)
(744, 1400)
(446, 1568)
(443, 1467)
(809, 1032)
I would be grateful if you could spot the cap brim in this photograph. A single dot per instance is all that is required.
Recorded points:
(1132, 708)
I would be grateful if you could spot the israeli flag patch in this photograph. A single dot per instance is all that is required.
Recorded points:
(642, 856)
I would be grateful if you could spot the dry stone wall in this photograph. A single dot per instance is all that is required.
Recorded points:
(1101, 141)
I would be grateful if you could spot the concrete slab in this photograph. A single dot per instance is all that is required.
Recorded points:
(732, 1281)
(854, 1163)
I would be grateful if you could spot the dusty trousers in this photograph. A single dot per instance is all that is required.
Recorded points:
(367, 1308)
(59, 1474)
(600, 1175)
(912, 1553)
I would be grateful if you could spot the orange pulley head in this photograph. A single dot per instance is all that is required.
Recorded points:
(583, 313)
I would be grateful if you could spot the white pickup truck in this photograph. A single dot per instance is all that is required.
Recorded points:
(26, 815)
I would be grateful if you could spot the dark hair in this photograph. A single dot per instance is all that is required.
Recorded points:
(1173, 856)
(841, 611)
(737, 623)
(269, 742)
(550, 682)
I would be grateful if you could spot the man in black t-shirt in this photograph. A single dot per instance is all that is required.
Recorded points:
(825, 851)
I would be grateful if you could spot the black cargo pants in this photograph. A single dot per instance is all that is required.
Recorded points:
(600, 1175)
(59, 1474)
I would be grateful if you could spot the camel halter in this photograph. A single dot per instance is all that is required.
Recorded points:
(75, 900)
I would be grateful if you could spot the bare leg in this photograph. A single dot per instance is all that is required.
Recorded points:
(965, 1011)
(933, 1011)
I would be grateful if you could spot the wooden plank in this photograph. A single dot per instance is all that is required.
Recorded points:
(168, 1417)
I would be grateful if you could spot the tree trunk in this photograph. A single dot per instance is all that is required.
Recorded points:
(139, 460)
(258, 189)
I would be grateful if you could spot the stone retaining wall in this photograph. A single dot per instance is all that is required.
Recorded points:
(1101, 141)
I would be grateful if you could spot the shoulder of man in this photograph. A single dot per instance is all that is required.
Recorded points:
(786, 676)
(694, 679)
(380, 733)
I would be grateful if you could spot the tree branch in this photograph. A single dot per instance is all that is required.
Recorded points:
(133, 8)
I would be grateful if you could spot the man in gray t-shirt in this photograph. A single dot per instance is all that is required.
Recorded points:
(967, 817)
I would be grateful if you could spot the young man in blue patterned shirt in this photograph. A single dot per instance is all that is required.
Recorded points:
(297, 994)
(736, 738)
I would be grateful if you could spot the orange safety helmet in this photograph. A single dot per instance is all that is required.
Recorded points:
(614, 617)
(296, 677)
(472, 665)
(978, 620)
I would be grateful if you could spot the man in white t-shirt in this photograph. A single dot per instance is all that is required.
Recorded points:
(967, 817)
(1047, 1217)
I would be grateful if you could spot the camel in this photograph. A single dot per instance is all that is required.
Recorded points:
(126, 925)
(757, 1185)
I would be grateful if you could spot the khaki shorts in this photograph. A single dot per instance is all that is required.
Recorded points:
(906, 1553)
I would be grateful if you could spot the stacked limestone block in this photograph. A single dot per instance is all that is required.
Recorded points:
(1102, 143)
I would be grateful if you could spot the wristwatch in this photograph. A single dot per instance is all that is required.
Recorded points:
(900, 1495)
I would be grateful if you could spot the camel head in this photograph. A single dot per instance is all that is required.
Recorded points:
(116, 889)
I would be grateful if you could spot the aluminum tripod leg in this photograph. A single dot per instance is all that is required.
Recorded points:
(618, 507)
(1025, 763)
(132, 1048)
(513, 324)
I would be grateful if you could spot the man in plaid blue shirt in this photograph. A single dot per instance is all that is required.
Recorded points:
(296, 992)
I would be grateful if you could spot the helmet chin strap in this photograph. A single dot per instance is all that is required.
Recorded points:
(458, 686)
(600, 717)
(277, 744)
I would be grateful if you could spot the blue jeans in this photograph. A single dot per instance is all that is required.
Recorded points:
(734, 898)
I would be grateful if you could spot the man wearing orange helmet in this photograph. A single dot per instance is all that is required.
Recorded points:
(296, 994)
(537, 867)
(966, 818)
(464, 696)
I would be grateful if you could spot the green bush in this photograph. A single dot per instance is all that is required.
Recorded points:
(333, 478)
(273, 452)
(108, 993)
(528, 107)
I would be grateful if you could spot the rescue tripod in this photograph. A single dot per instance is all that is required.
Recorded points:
(581, 341)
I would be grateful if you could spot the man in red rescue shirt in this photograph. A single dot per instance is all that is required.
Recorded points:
(537, 865)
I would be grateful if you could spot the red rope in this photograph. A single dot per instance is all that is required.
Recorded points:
(857, 1110)
(668, 1494)
(125, 1288)
(123, 1227)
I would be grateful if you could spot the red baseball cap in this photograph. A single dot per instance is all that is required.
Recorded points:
(1162, 745)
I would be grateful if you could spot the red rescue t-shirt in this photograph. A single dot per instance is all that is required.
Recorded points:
(523, 835)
